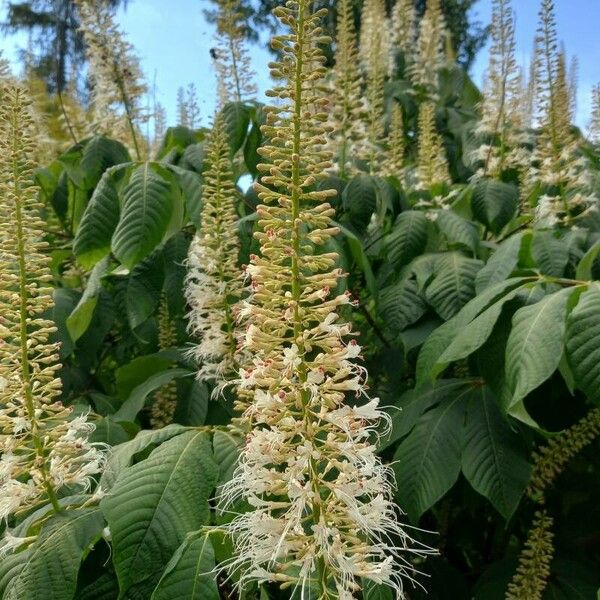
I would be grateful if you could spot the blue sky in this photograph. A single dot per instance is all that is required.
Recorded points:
(173, 41)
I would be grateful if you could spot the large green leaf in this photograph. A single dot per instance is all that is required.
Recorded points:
(155, 503)
(408, 238)
(472, 336)
(122, 456)
(458, 231)
(535, 344)
(583, 342)
(98, 155)
(79, 320)
(414, 403)
(494, 203)
(92, 241)
(226, 448)
(189, 576)
(427, 461)
(501, 264)
(400, 305)
(132, 406)
(50, 571)
(144, 286)
(147, 207)
(442, 337)
(360, 200)
(237, 120)
(550, 254)
(494, 458)
(453, 283)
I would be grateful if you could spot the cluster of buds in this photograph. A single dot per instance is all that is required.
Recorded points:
(321, 515)
(165, 399)
(533, 570)
(213, 285)
(43, 449)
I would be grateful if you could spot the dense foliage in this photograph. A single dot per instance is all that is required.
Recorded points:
(462, 241)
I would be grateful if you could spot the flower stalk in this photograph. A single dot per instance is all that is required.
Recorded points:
(42, 449)
(322, 519)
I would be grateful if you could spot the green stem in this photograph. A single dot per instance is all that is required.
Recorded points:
(295, 268)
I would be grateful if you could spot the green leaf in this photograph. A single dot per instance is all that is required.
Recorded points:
(472, 336)
(535, 344)
(458, 231)
(360, 258)
(501, 264)
(98, 155)
(453, 283)
(105, 587)
(144, 286)
(53, 560)
(155, 503)
(427, 461)
(134, 373)
(237, 120)
(132, 406)
(92, 241)
(374, 591)
(583, 342)
(400, 305)
(494, 203)
(414, 403)
(79, 320)
(253, 142)
(494, 458)
(188, 575)
(360, 200)
(192, 409)
(442, 337)
(550, 254)
(586, 264)
(147, 208)
(190, 184)
(122, 456)
(226, 449)
(408, 238)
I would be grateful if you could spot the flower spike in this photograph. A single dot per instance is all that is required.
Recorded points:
(322, 519)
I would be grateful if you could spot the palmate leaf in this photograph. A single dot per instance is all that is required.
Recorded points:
(226, 448)
(501, 264)
(428, 460)
(148, 203)
(535, 344)
(458, 231)
(453, 283)
(472, 336)
(122, 456)
(92, 241)
(408, 238)
(442, 337)
(154, 504)
(494, 459)
(550, 254)
(189, 574)
(52, 561)
(583, 342)
(400, 305)
(414, 403)
(237, 119)
(494, 203)
(79, 320)
(98, 155)
(360, 200)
